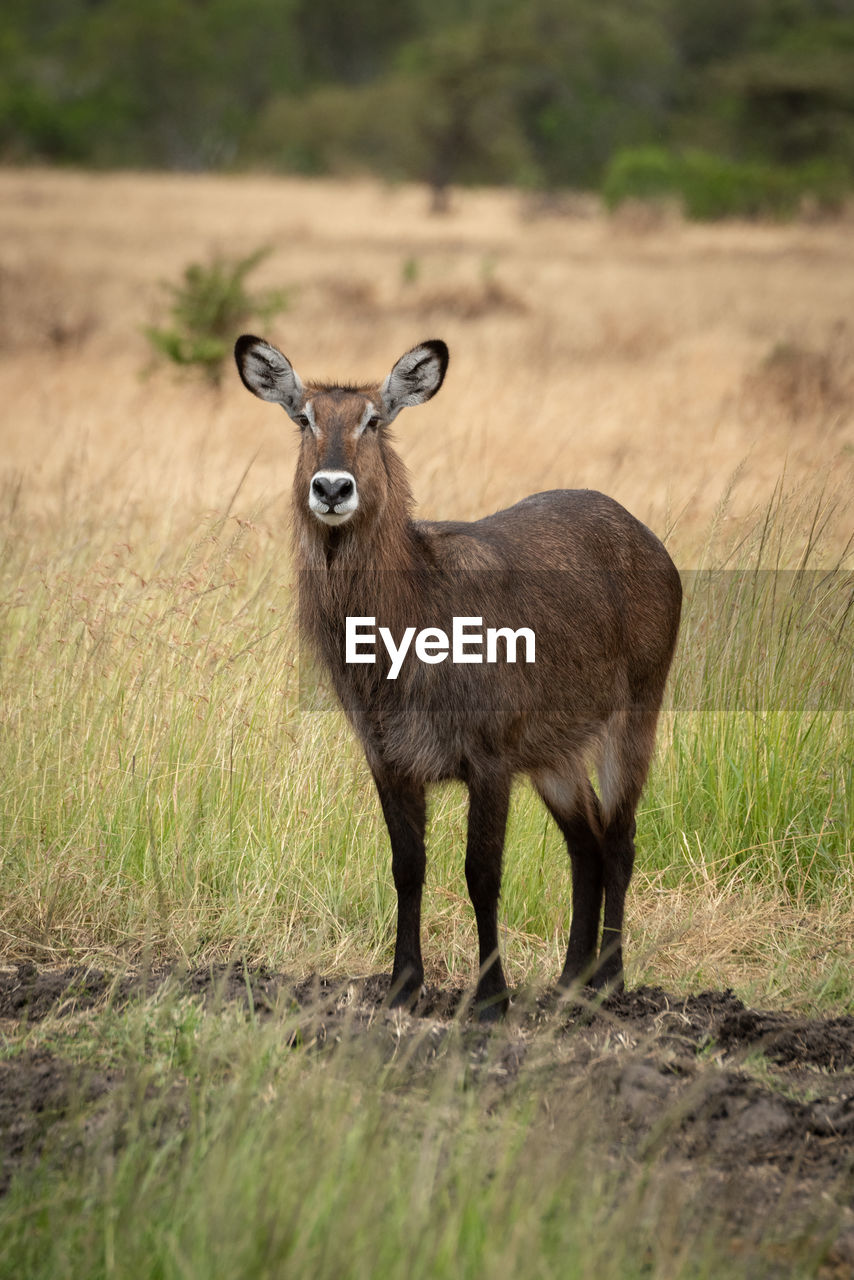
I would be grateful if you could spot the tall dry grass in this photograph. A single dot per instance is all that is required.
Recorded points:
(662, 365)
(161, 788)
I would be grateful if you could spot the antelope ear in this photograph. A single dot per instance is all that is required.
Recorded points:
(416, 377)
(268, 374)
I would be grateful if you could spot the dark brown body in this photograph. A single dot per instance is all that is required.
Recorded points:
(603, 598)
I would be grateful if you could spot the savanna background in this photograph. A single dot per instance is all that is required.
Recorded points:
(633, 228)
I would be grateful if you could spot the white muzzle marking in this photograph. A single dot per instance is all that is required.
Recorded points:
(338, 512)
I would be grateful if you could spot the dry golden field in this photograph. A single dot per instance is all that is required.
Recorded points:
(663, 362)
(690, 371)
(197, 1069)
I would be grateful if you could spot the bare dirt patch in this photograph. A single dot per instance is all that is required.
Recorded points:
(756, 1107)
(38, 1094)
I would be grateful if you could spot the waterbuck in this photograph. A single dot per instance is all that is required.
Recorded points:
(595, 587)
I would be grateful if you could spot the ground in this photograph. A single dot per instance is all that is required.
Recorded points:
(757, 1107)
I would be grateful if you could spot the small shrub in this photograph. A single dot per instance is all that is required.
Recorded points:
(712, 187)
(208, 309)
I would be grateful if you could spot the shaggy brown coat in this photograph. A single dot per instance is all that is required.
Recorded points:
(597, 588)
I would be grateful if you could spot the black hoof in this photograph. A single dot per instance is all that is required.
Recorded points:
(404, 993)
(608, 984)
(491, 1008)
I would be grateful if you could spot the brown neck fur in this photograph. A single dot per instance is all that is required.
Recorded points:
(362, 567)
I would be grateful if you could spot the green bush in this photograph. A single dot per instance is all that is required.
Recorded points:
(711, 186)
(208, 309)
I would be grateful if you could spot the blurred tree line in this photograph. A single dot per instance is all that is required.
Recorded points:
(542, 93)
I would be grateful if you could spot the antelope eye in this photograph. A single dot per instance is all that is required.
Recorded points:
(303, 421)
(373, 422)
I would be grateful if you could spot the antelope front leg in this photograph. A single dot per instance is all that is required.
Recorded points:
(404, 809)
(488, 802)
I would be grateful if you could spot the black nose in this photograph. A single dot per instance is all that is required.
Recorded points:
(332, 491)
